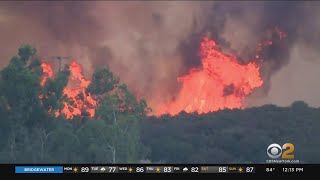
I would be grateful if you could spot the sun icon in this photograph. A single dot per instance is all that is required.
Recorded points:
(240, 170)
(158, 170)
(130, 169)
(75, 169)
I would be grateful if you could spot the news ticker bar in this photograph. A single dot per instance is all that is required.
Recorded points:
(158, 169)
(134, 169)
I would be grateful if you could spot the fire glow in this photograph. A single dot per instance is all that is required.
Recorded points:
(222, 82)
(77, 98)
(47, 73)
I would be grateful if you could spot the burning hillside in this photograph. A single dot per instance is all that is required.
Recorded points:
(221, 82)
(77, 100)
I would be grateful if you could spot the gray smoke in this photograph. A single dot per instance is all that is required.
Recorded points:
(149, 44)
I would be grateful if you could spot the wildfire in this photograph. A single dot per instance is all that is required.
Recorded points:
(77, 99)
(47, 73)
(220, 83)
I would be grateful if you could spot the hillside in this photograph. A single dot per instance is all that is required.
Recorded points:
(234, 136)
(108, 124)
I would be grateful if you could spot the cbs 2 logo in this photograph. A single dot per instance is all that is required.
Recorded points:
(275, 151)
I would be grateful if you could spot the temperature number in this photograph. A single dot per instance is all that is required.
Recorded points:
(194, 169)
(249, 169)
(167, 169)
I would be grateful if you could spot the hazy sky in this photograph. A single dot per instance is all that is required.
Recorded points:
(149, 44)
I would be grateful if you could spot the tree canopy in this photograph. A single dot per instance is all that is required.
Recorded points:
(122, 132)
(31, 132)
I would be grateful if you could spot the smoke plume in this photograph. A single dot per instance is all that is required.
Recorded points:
(149, 44)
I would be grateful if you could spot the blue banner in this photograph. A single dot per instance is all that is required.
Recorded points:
(39, 169)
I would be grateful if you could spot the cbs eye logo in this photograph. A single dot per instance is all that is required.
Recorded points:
(274, 151)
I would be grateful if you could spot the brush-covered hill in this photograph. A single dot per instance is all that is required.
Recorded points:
(234, 136)
(120, 131)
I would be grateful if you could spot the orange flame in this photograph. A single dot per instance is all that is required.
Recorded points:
(78, 99)
(47, 73)
(78, 103)
(220, 83)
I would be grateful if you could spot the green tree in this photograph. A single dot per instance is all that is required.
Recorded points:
(53, 91)
(26, 126)
(121, 113)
